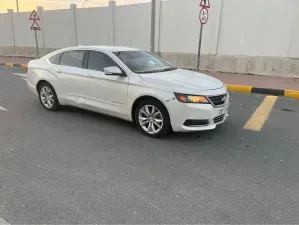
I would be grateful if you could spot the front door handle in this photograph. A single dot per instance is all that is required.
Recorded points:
(58, 71)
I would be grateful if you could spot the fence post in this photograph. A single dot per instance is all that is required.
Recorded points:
(10, 15)
(153, 26)
(40, 11)
(219, 27)
(293, 51)
(111, 21)
(158, 26)
(73, 7)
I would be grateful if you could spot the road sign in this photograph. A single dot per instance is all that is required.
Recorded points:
(204, 15)
(34, 16)
(35, 26)
(205, 4)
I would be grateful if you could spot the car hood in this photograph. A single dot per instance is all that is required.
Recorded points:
(183, 80)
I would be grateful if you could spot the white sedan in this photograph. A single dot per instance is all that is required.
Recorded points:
(131, 84)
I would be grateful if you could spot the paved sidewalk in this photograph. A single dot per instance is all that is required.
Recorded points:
(257, 80)
(282, 83)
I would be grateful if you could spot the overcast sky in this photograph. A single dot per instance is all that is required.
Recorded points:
(29, 5)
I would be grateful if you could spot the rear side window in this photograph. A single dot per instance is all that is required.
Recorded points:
(55, 59)
(72, 58)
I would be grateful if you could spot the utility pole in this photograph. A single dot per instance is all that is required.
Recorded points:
(17, 1)
(84, 3)
(153, 26)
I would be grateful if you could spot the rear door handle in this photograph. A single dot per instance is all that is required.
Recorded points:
(58, 71)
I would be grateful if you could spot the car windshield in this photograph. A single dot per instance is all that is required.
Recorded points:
(143, 62)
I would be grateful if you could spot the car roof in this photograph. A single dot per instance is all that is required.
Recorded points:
(103, 48)
(109, 49)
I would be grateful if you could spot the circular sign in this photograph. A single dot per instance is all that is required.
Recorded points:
(204, 15)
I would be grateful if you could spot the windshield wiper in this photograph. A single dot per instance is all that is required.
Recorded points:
(157, 71)
(169, 69)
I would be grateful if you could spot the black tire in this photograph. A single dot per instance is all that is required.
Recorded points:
(56, 104)
(166, 126)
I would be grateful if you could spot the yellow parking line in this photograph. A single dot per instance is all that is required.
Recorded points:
(260, 115)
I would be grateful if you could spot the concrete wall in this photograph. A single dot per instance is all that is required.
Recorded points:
(257, 28)
(180, 27)
(24, 37)
(92, 26)
(6, 30)
(58, 28)
(294, 40)
(241, 36)
(132, 25)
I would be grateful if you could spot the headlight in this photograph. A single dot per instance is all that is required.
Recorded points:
(191, 98)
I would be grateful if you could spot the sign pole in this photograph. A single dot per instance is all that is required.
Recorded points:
(35, 27)
(199, 47)
(203, 18)
(153, 26)
(36, 42)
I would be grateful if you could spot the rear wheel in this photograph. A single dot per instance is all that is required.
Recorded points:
(152, 118)
(48, 97)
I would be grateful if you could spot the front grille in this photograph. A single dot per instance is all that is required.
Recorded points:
(191, 123)
(218, 119)
(218, 100)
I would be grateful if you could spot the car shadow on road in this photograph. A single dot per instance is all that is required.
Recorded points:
(126, 127)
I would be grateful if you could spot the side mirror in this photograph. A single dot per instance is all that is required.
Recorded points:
(113, 70)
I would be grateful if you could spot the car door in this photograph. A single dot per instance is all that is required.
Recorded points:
(70, 73)
(101, 92)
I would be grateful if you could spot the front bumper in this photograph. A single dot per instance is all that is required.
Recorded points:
(209, 115)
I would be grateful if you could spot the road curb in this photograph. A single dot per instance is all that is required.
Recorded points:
(230, 87)
(265, 91)
(13, 65)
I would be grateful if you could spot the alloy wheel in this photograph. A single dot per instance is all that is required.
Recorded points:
(150, 119)
(47, 97)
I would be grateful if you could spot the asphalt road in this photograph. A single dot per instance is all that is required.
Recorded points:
(73, 166)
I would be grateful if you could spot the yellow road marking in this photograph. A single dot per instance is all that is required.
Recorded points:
(291, 93)
(258, 118)
(239, 88)
(9, 64)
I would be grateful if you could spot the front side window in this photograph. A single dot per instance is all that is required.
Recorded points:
(72, 58)
(143, 62)
(99, 60)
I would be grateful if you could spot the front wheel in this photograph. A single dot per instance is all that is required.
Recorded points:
(152, 118)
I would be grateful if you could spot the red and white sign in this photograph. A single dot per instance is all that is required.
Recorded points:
(205, 4)
(204, 15)
(35, 26)
(34, 16)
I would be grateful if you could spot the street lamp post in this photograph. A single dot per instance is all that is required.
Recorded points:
(17, 1)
